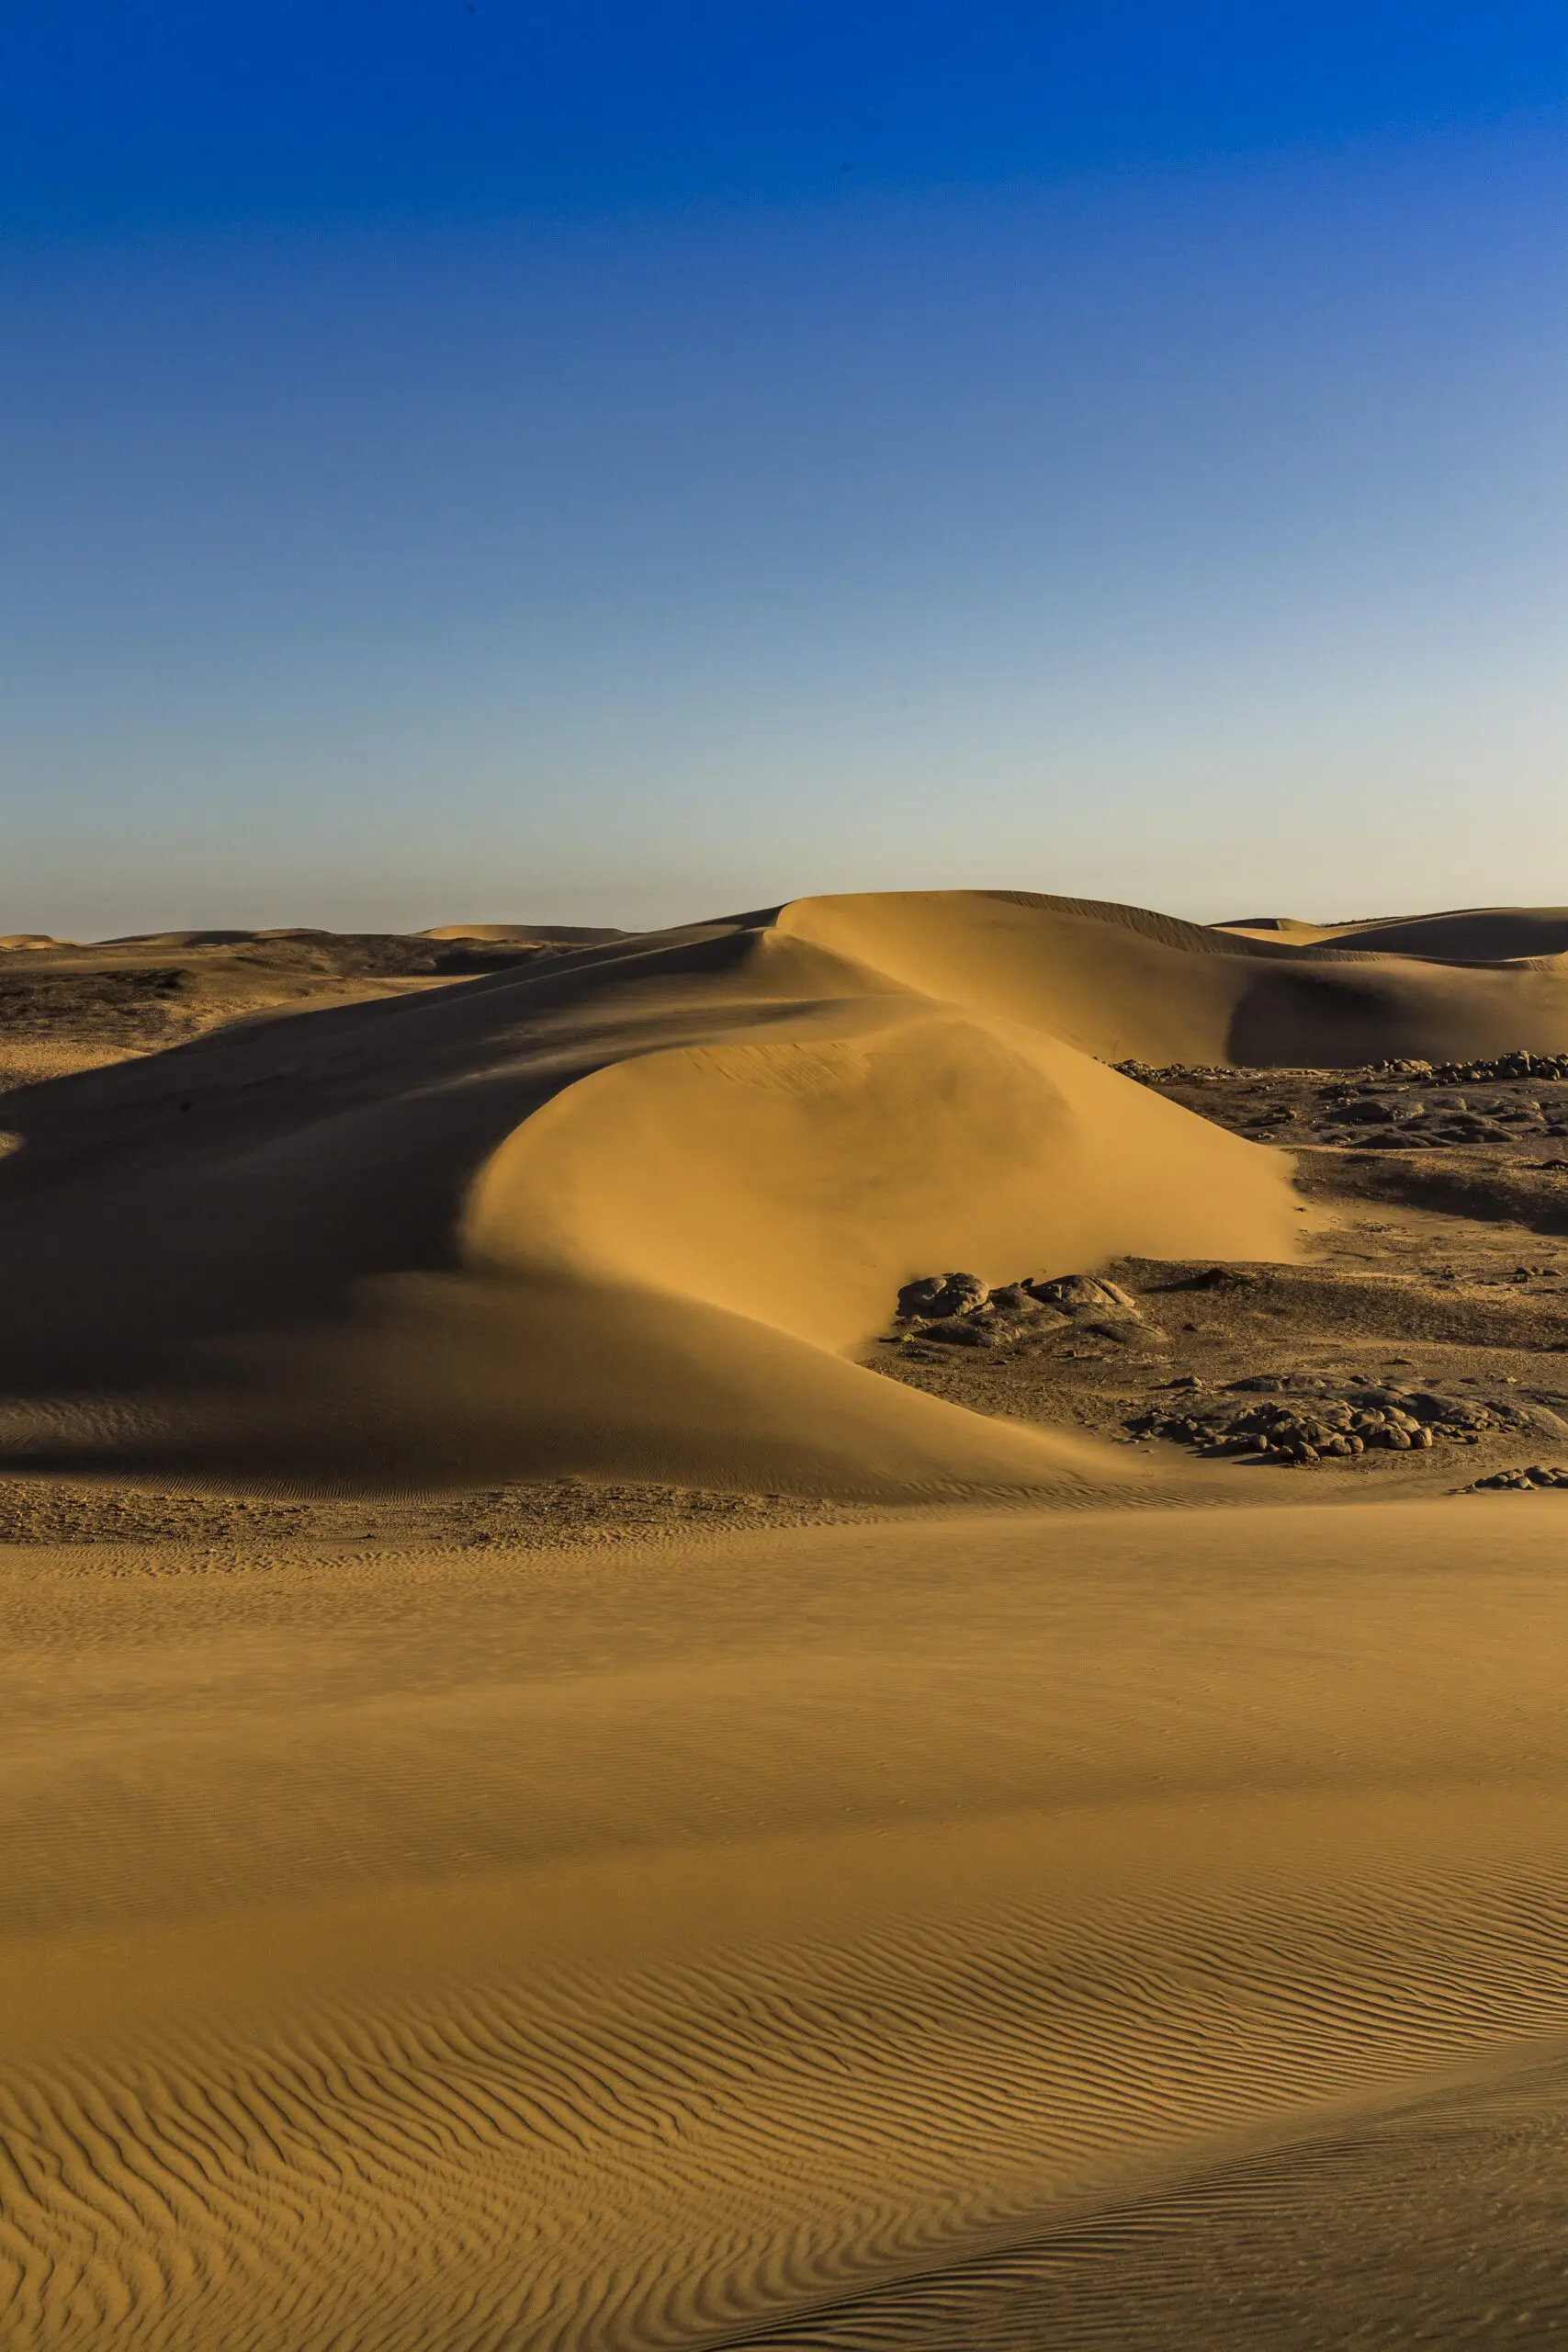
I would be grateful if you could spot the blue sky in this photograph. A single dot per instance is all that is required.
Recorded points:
(622, 464)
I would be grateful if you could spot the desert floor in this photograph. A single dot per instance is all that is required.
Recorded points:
(573, 1777)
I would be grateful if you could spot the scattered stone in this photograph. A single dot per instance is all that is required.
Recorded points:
(1403, 1104)
(1515, 1065)
(1326, 1428)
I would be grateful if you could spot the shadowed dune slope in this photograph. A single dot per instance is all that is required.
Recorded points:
(621, 1212)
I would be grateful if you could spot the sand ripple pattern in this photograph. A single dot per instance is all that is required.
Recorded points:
(1440, 2224)
(873, 1933)
(677, 2157)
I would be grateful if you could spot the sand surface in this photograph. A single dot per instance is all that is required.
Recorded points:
(568, 1782)
(409, 1949)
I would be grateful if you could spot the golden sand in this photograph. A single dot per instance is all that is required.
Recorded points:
(1079, 1916)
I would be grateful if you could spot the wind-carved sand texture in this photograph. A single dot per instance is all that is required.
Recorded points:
(589, 1765)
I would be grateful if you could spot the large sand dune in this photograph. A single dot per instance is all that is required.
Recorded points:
(623, 1210)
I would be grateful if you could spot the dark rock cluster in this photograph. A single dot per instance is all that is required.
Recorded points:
(941, 1294)
(1502, 1066)
(1514, 1099)
(960, 1310)
(1172, 1073)
(1499, 1068)
(1410, 1124)
(1519, 1481)
(1241, 1422)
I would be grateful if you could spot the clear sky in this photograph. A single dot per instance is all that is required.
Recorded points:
(619, 463)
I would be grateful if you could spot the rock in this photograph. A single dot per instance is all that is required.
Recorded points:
(1013, 1298)
(1083, 1294)
(963, 1331)
(1366, 1112)
(942, 1295)
(1072, 1292)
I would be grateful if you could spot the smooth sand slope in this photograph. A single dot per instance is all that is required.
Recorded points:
(471, 1954)
(620, 1211)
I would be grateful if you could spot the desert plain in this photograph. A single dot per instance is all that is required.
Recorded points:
(844, 1628)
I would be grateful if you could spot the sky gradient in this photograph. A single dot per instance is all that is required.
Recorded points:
(619, 465)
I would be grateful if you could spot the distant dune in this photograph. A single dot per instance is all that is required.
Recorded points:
(576, 935)
(1469, 935)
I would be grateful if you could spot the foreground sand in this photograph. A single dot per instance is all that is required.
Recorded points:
(966, 1929)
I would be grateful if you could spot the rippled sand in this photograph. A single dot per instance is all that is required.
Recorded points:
(1135, 1928)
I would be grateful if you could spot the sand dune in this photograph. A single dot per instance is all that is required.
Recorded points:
(471, 1954)
(635, 1200)
(1133, 1925)
(1123, 983)
(574, 935)
(1470, 934)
